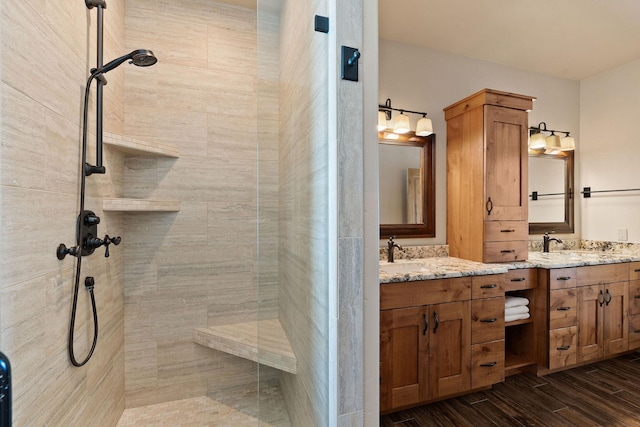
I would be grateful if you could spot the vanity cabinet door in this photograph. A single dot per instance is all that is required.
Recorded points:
(404, 357)
(590, 323)
(616, 329)
(449, 349)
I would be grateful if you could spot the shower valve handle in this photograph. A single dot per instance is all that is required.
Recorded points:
(109, 240)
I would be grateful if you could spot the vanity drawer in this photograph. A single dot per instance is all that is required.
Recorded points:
(506, 231)
(562, 347)
(634, 297)
(634, 332)
(598, 274)
(487, 320)
(634, 271)
(487, 364)
(506, 251)
(424, 292)
(521, 278)
(488, 286)
(561, 278)
(563, 306)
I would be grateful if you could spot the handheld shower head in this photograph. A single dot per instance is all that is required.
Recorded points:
(139, 57)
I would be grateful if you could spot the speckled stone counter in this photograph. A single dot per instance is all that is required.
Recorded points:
(445, 267)
(435, 268)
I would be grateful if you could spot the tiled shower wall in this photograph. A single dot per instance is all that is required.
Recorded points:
(47, 50)
(197, 267)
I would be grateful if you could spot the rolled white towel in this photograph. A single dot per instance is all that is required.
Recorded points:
(516, 317)
(520, 309)
(511, 301)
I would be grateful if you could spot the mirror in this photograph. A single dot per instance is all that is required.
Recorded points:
(407, 185)
(551, 193)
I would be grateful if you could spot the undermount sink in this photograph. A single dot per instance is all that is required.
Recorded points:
(405, 267)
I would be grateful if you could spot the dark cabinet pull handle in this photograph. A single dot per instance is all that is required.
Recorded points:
(507, 231)
(493, 285)
(564, 278)
(489, 365)
(636, 331)
(435, 317)
(608, 297)
(426, 323)
(507, 251)
(566, 347)
(637, 270)
(563, 308)
(489, 206)
(519, 279)
(601, 298)
(494, 319)
(637, 297)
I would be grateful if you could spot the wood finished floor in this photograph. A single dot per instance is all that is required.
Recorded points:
(602, 394)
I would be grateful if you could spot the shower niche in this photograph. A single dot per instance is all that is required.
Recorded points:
(136, 147)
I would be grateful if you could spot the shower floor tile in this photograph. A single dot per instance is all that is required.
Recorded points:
(199, 411)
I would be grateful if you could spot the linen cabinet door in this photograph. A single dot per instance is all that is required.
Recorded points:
(403, 357)
(449, 348)
(616, 326)
(590, 322)
(507, 159)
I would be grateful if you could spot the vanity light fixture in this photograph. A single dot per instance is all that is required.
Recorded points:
(551, 143)
(424, 127)
(567, 143)
(382, 121)
(401, 123)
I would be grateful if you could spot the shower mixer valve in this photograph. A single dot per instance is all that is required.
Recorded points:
(88, 227)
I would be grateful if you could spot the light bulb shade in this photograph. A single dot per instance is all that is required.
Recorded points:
(424, 127)
(537, 141)
(567, 143)
(553, 142)
(401, 124)
(382, 121)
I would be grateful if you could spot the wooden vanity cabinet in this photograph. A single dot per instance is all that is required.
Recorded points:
(603, 292)
(586, 315)
(425, 341)
(487, 192)
(440, 338)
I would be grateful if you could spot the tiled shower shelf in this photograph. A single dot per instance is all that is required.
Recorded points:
(130, 145)
(264, 341)
(140, 205)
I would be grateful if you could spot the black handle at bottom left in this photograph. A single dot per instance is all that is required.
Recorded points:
(5, 391)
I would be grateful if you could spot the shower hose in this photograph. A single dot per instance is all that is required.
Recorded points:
(89, 282)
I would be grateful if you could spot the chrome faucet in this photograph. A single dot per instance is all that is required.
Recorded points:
(391, 244)
(546, 240)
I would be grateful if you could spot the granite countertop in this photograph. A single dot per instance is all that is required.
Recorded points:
(446, 267)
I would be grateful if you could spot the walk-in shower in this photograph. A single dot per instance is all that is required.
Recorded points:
(87, 240)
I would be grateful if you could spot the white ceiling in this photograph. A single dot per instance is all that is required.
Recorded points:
(573, 39)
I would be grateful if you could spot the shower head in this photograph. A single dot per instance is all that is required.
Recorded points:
(139, 57)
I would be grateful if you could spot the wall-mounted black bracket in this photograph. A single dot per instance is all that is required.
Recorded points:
(586, 192)
(350, 56)
(321, 24)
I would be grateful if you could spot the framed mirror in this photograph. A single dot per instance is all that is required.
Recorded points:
(407, 185)
(551, 198)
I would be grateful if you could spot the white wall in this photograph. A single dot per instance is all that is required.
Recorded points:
(609, 153)
(422, 79)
